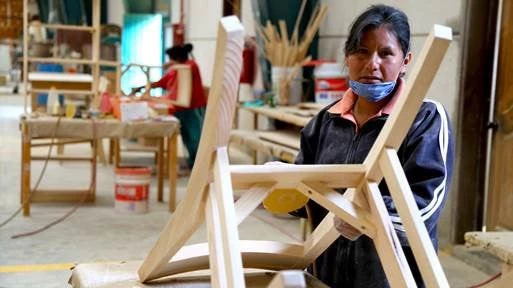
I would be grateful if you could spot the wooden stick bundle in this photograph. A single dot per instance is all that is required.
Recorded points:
(282, 51)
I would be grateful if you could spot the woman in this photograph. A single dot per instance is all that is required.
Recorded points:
(191, 118)
(377, 55)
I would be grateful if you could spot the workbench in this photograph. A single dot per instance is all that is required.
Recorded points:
(499, 244)
(76, 130)
(283, 144)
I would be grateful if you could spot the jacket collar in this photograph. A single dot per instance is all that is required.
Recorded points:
(344, 107)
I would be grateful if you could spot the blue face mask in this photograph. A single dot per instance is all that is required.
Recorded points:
(372, 92)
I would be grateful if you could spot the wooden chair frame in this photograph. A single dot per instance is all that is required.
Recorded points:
(209, 193)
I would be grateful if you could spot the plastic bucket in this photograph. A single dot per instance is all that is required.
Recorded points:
(132, 189)
(293, 94)
(330, 83)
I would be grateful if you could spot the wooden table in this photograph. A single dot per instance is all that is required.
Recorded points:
(94, 130)
(282, 144)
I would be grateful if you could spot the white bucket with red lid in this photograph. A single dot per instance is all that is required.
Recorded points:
(132, 189)
(330, 82)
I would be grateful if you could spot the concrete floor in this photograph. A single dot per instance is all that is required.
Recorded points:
(97, 232)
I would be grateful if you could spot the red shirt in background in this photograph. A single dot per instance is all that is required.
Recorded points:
(168, 82)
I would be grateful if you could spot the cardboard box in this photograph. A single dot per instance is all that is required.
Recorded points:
(132, 111)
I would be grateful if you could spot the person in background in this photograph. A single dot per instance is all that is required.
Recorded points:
(377, 53)
(36, 32)
(191, 118)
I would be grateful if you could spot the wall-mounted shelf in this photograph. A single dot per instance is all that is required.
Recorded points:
(68, 27)
(59, 85)
(60, 60)
(69, 92)
(109, 63)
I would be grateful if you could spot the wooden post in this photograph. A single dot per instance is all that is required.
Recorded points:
(340, 206)
(95, 49)
(172, 168)
(25, 168)
(118, 78)
(25, 55)
(216, 258)
(101, 153)
(255, 127)
(387, 244)
(160, 169)
(419, 240)
(232, 261)
(111, 151)
(117, 152)
(94, 162)
(251, 199)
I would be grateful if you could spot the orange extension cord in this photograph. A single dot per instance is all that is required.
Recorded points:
(487, 281)
(75, 207)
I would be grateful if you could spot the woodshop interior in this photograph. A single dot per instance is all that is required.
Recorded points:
(75, 136)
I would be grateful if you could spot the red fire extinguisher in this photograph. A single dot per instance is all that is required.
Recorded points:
(178, 33)
(248, 62)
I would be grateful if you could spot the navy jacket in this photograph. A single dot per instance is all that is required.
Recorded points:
(426, 155)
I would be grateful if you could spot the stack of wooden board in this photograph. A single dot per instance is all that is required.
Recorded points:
(282, 51)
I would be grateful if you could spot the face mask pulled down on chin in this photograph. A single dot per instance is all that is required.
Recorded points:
(373, 92)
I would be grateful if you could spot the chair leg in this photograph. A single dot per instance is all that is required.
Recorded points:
(101, 152)
(111, 151)
(160, 170)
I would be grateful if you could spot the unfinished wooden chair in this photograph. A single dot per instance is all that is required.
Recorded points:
(209, 192)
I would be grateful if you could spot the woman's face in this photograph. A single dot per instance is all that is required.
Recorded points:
(378, 59)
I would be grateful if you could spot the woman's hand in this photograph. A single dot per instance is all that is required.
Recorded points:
(346, 229)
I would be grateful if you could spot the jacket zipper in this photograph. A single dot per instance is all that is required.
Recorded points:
(356, 141)
(353, 147)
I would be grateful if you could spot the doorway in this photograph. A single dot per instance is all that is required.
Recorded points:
(500, 212)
